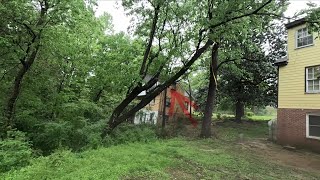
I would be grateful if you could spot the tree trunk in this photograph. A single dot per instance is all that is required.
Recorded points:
(13, 97)
(190, 97)
(97, 97)
(26, 64)
(26, 61)
(206, 123)
(239, 111)
(164, 109)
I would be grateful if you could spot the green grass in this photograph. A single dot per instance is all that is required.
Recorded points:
(252, 118)
(261, 118)
(179, 158)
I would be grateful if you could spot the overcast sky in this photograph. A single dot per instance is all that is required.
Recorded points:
(121, 21)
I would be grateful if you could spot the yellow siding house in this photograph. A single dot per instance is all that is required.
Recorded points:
(298, 121)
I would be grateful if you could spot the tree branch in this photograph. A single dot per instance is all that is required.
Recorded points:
(233, 60)
(6, 72)
(152, 94)
(241, 16)
(151, 36)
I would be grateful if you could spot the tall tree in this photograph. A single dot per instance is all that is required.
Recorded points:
(210, 102)
(54, 84)
(160, 23)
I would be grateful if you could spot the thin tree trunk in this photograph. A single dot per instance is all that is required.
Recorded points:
(239, 111)
(190, 97)
(9, 109)
(98, 96)
(26, 61)
(164, 109)
(206, 123)
(14, 95)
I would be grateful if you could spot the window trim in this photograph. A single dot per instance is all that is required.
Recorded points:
(307, 125)
(306, 80)
(296, 40)
(152, 102)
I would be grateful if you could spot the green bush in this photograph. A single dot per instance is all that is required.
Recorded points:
(249, 114)
(218, 116)
(128, 133)
(15, 151)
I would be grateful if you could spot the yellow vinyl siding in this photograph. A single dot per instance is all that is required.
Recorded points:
(292, 76)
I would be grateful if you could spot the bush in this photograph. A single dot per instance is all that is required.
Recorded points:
(218, 116)
(249, 114)
(15, 151)
(128, 133)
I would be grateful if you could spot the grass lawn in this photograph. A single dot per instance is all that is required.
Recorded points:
(252, 118)
(179, 158)
(262, 118)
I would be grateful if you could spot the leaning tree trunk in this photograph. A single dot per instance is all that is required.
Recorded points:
(13, 97)
(26, 64)
(239, 111)
(206, 123)
(123, 111)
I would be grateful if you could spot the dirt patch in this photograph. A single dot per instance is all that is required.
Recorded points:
(180, 174)
(302, 160)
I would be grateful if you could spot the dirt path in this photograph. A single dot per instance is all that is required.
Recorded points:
(302, 160)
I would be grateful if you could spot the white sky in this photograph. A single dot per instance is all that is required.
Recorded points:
(121, 21)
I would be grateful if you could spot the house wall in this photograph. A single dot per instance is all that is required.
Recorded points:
(150, 113)
(177, 112)
(146, 116)
(291, 126)
(154, 109)
(292, 76)
(293, 102)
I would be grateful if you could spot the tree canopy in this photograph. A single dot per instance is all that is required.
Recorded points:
(67, 80)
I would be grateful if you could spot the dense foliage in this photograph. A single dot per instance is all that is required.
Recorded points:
(62, 72)
(67, 80)
(178, 158)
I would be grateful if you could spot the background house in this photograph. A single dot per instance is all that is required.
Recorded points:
(153, 112)
(298, 121)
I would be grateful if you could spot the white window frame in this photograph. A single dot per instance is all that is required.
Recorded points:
(313, 79)
(296, 38)
(152, 102)
(307, 126)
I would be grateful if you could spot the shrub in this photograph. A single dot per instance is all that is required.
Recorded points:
(218, 116)
(128, 133)
(15, 151)
(249, 114)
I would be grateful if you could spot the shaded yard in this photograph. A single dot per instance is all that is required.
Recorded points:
(183, 158)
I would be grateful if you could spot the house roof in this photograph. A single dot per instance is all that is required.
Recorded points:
(281, 62)
(296, 23)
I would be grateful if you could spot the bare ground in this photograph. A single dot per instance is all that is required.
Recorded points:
(262, 149)
(303, 160)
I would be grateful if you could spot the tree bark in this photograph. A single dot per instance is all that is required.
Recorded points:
(239, 111)
(9, 111)
(151, 37)
(190, 97)
(26, 62)
(164, 109)
(97, 97)
(206, 123)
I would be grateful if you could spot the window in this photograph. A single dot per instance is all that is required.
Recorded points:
(304, 38)
(186, 104)
(313, 126)
(168, 102)
(313, 79)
